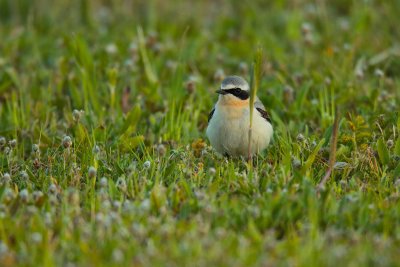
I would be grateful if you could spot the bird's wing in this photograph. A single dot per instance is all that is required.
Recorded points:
(211, 114)
(261, 109)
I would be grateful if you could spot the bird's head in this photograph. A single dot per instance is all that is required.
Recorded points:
(234, 91)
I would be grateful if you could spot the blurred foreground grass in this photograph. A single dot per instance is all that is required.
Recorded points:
(103, 157)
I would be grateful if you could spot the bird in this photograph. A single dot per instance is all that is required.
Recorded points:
(229, 121)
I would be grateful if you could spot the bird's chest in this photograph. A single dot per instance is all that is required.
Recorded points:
(232, 124)
(236, 114)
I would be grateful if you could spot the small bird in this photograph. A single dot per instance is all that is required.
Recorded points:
(229, 120)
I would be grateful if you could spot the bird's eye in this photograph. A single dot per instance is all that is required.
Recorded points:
(242, 94)
(236, 91)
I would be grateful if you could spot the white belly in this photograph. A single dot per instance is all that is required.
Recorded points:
(229, 133)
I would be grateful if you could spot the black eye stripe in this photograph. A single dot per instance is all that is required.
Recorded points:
(242, 94)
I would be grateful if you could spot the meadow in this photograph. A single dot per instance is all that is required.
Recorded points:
(104, 159)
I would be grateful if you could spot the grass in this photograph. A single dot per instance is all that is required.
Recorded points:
(104, 158)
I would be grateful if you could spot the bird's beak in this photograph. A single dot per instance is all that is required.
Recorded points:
(221, 92)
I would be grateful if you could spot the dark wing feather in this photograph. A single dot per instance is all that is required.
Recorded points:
(264, 114)
(211, 114)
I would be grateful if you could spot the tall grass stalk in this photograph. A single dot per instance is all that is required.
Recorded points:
(255, 77)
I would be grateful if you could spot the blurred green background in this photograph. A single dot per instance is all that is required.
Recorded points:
(122, 90)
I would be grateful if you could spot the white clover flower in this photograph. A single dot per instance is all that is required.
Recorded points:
(300, 137)
(48, 219)
(7, 150)
(306, 28)
(340, 165)
(73, 197)
(52, 189)
(190, 84)
(389, 143)
(379, 73)
(103, 182)
(99, 218)
(139, 230)
(3, 141)
(67, 141)
(243, 68)
(13, 143)
(116, 204)
(359, 73)
(53, 200)
(133, 47)
(327, 81)
(161, 150)
(31, 210)
(24, 175)
(24, 195)
(219, 75)
(92, 172)
(36, 237)
(118, 255)
(8, 195)
(77, 114)
(212, 171)
(111, 48)
(96, 149)
(127, 206)
(6, 178)
(121, 184)
(37, 195)
(3, 249)
(170, 64)
(145, 205)
(296, 163)
(35, 148)
(106, 204)
(147, 164)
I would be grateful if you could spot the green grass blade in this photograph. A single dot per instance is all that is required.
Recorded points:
(383, 151)
(312, 156)
(255, 79)
(150, 74)
(397, 147)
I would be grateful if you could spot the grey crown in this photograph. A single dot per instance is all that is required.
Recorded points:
(234, 80)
